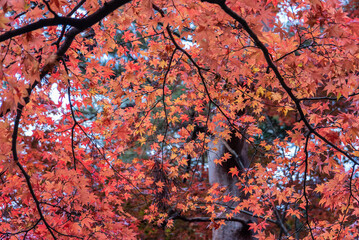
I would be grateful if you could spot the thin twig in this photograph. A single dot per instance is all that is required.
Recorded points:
(23, 171)
(305, 185)
(50, 9)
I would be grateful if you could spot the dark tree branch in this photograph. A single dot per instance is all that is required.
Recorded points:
(327, 98)
(57, 43)
(196, 65)
(203, 80)
(351, 184)
(102, 154)
(163, 99)
(91, 20)
(63, 209)
(50, 9)
(280, 222)
(80, 24)
(21, 231)
(72, 114)
(239, 161)
(76, 8)
(349, 200)
(70, 36)
(66, 235)
(305, 184)
(40, 24)
(300, 47)
(278, 75)
(23, 171)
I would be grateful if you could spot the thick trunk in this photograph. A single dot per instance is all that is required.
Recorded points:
(219, 174)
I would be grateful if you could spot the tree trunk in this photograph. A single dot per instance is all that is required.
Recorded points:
(219, 174)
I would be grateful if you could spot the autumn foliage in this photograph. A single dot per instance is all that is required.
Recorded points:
(107, 109)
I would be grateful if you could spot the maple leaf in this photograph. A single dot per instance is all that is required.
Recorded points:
(87, 222)
(117, 117)
(234, 171)
(227, 198)
(274, 2)
(297, 138)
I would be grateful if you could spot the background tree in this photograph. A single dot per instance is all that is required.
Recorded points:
(116, 115)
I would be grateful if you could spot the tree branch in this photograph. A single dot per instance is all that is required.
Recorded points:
(81, 24)
(305, 184)
(278, 75)
(40, 24)
(50, 9)
(24, 173)
(22, 231)
(238, 158)
(91, 20)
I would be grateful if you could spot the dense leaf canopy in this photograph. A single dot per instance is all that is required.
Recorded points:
(108, 107)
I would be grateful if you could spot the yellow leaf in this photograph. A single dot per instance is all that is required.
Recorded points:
(338, 96)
